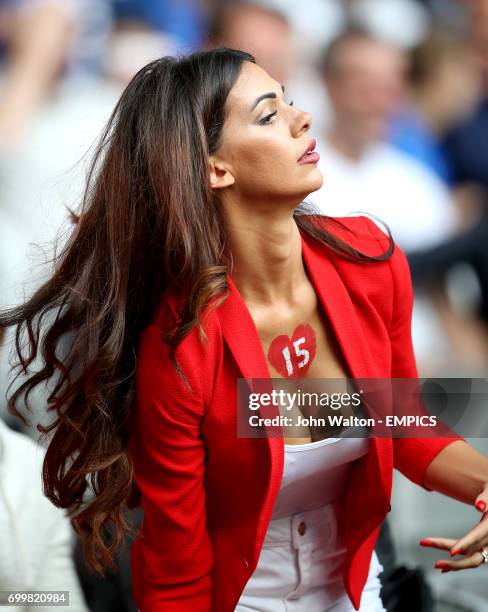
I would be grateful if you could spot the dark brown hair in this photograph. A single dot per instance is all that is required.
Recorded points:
(149, 225)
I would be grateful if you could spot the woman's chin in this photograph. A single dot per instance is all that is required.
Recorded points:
(310, 186)
(315, 181)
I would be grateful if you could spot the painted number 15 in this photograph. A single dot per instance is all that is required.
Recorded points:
(299, 352)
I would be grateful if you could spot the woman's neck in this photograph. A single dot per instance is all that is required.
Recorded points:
(267, 259)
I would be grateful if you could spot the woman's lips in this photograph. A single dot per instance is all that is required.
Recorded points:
(309, 158)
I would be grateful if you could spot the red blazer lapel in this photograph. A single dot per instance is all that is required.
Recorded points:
(242, 338)
(342, 316)
(337, 305)
(241, 335)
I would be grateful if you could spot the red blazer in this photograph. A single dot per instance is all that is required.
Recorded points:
(208, 495)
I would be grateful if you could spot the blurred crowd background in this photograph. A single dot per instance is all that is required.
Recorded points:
(398, 91)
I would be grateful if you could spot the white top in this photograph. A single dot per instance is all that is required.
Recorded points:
(317, 473)
(302, 570)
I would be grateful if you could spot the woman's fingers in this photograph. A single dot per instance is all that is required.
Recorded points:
(473, 540)
(470, 561)
(481, 502)
(469, 545)
(441, 543)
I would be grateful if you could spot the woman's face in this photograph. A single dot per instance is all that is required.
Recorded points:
(263, 138)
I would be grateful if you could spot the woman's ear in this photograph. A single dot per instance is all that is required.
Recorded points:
(220, 174)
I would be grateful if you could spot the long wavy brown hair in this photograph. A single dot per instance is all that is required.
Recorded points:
(149, 225)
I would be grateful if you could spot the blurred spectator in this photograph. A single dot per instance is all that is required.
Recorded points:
(37, 35)
(258, 29)
(184, 20)
(37, 538)
(466, 146)
(62, 112)
(444, 88)
(478, 12)
(365, 81)
(466, 150)
(145, 30)
(450, 14)
(133, 44)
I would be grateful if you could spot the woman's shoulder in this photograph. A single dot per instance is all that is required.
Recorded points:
(361, 232)
(384, 283)
(369, 236)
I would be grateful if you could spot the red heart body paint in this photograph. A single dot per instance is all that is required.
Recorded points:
(292, 357)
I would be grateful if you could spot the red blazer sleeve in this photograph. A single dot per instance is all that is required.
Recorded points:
(412, 456)
(172, 559)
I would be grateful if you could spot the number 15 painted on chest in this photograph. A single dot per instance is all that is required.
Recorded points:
(292, 357)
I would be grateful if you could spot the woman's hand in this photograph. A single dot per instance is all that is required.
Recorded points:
(469, 546)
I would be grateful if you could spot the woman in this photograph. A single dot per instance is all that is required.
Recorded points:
(190, 253)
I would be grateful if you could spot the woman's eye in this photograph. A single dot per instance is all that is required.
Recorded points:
(267, 119)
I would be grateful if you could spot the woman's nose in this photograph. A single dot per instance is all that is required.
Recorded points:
(302, 123)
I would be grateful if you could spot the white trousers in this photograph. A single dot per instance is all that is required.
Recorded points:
(300, 568)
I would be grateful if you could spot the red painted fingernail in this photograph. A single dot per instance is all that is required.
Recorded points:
(481, 505)
(425, 543)
(440, 565)
(455, 552)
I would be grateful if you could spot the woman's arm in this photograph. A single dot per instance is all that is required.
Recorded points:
(458, 471)
(461, 472)
(172, 558)
(447, 465)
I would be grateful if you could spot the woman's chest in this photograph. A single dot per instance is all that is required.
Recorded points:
(303, 356)
(299, 342)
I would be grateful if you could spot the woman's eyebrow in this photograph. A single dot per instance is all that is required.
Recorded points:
(270, 94)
